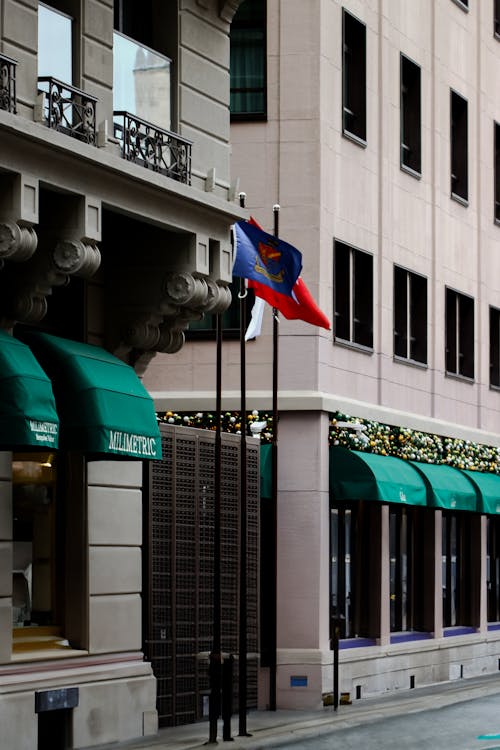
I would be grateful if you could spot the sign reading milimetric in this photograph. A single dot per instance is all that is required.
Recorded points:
(103, 407)
(28, 416)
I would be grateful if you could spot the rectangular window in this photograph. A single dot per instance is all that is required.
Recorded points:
(495, 347)
(457, 570)
(353, 77)
(205, 328)
(248, 61)
(406, 545)
(55, 50)
(459, 151)
(459, 322)
(342, 557)
(497, 172)
(410, 116)
(353, 295)
(493, 568)
(410, 315)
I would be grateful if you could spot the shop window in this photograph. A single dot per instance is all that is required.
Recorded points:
(459, 322)
(55, 44)
(406, 545)
(495, 347)
(493, 569)
(342, 551)
(410, 315)
(410, 117)
(353, 77)
(142, 73)
(497, 172)
(353, 295)
(248, 62)
(205, 328)
(456, 570)
(459, 151)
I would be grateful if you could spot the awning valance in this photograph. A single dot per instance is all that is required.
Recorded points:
(449, 488)
(488, 487)
(28, 416)
(367, 476)
(102, 404)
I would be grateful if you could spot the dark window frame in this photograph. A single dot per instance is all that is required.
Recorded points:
(354, 92)
(353, 296)
(459, 148)
(494, 346)
(406, 575)
(456, 555)
(252, 25)
(493, 568)
(411, 117)
(410, 316)
(459, 334)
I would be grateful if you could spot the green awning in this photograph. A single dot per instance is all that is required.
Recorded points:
(28, 416)
(266, 471)
(488, 487)
(367, 476)
(449, 488)
(102, 404)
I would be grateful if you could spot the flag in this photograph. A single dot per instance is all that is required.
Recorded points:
(255, 325)
(266, 259)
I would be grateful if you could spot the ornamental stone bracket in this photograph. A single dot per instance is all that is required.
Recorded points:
(152, 308)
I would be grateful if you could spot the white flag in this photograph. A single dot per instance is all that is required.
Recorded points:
(255, 324)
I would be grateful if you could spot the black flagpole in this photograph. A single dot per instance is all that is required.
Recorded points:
(274, 454)
(215, 659)
(242, 647)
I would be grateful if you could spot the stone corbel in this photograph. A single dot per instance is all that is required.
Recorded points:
(17, 242)
(76, 258)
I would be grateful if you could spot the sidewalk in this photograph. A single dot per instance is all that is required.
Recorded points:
(284, 727)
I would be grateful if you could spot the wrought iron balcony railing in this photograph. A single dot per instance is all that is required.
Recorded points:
(8, 83)
(68, 109)
(153, 147)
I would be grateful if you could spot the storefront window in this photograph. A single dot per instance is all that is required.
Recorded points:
(493, 569)
(34, 533)
(406, 566)
(341, 578)
(456, 567)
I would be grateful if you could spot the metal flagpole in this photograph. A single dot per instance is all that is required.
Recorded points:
(215, 659)
(274, 532)
(242, 639)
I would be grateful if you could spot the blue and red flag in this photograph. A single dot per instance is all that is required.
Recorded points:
(266, 259)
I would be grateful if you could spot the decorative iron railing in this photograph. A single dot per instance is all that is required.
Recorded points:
(153, 147)
(68, 109)
(8, 83)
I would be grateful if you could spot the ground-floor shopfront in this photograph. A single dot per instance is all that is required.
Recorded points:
(402, 555)
(76, 426)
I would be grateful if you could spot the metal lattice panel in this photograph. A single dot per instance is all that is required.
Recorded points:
(179, 618)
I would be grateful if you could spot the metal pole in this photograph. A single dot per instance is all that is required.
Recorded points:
(215, 662)
(242, 647)
(274, 454)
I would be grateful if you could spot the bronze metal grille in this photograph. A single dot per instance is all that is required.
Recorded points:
(179, 567)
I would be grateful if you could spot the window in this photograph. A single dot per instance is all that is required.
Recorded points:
(496, 17)
(353, 295)
(410, 116)
(248, 61)
(410, 315)
(205, 328)
(457, 570)
(459, 323)
(459, 165)
(495, 347)
(354, 77)
(497, 172)
(406, 541)
(141, 76)
(342, 554)
(55, 51)
(493, 568)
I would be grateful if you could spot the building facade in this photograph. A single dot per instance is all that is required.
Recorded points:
(115, 214)
(374, 126)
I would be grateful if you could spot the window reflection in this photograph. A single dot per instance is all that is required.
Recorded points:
(54, 44)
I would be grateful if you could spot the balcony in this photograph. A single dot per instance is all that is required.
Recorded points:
(68, 109)
(8, 84)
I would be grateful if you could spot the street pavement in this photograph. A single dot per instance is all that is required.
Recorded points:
(287, 728)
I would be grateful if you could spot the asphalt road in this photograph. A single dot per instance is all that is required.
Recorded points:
(470, 725)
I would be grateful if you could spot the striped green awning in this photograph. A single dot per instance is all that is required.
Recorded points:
(488, 487)
(103, 406)
(367, 476)
(28, 416)
(449, 488)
